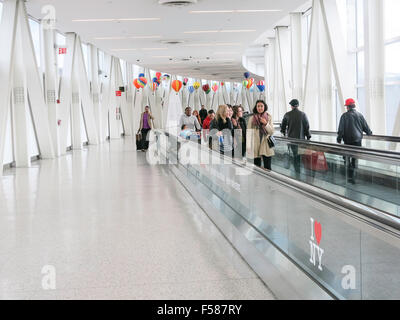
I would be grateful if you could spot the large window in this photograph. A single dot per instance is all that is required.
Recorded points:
(356, 41)
(35, 31)
(392, 69)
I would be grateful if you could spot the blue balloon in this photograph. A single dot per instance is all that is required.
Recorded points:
(247, 75)
(155, 80)
(191, 89)
(261, 88)
(141, 75)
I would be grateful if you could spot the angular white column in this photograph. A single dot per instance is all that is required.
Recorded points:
(129, 94)
(106, 96)
(7, 36)
(284, 71)
(338, 51)
(95, 87)
(20, 107)
(49, 63)
(297, 55)
(76, 113)
(375, 65)
(325, 111)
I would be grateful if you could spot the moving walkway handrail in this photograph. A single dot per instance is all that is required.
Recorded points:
(389, 157)
(372, 216)
(334, 134)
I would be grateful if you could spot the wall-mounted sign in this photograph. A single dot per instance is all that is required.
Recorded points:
(118, 93)
(62, 50)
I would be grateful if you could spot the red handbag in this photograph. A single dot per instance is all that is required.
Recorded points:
(315, 161)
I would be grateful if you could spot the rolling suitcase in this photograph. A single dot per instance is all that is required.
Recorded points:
(139, 141)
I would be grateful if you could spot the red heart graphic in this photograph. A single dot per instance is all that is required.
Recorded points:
(318, 231)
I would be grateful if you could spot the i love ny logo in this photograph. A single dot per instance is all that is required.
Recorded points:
(315, 241)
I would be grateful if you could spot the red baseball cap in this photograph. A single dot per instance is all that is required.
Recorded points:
(350, 102)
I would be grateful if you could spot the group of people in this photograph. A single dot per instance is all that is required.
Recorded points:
(228, 131)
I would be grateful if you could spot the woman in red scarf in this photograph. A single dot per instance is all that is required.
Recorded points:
(260, 128)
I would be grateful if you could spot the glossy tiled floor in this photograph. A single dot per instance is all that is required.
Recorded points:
(113, 227)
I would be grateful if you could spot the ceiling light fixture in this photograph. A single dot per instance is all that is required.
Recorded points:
(213, 44)
(218, 31)
(110, 38)
(150, 49)
(235, 11)
(145, 37)
(116, 20)
(128, 49)
(225, 52)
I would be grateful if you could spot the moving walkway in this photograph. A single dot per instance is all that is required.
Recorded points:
(316, 239)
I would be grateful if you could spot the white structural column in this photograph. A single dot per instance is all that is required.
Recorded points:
(66, 92)
(95, 87)
(338, 50)
(76, 114)
(325, 110)
(284, 69)
(34, 82)
(270, 80)
(129, 94)
(311, 94)
(20, 107)
(49, 63)
(126, 119)
(297, 55)
(7, 36)
(84, 90)
(113, 118)
(106, 95)
(375, 65)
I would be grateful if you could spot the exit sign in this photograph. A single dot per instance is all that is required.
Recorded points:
(118, 93)
(62, 50)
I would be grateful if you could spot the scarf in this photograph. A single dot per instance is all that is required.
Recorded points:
(257, 123)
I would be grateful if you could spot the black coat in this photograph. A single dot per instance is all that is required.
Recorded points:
(351, 127)
(295, 125)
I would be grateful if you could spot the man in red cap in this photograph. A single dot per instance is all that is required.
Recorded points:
(351, 130)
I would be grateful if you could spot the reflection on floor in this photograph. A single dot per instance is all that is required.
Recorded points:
(112, 227)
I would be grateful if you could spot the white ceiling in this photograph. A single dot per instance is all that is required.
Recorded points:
(214, 56)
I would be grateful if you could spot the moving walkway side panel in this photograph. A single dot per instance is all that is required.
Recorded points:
(301, 245)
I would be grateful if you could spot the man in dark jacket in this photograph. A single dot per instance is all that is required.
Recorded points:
(295, 125)
(351, 130)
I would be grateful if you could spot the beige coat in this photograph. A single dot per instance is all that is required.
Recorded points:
(256, 148)
(150, 121)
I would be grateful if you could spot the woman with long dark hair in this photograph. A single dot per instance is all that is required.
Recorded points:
(260, 128)
(240, 129)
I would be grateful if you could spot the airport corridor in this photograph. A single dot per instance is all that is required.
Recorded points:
(110, 226)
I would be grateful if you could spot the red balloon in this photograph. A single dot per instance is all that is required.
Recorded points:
(158, 75)
(136, 84)
(177, 85)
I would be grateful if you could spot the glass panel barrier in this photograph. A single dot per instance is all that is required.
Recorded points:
(369, 180)
(346, 253)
